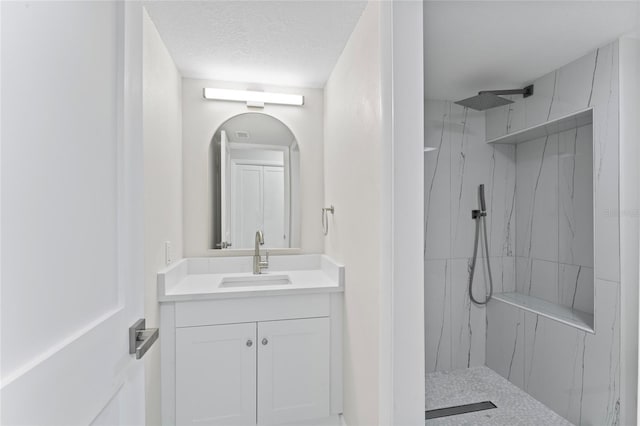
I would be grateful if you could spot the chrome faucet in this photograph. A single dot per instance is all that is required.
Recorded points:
(258, 263)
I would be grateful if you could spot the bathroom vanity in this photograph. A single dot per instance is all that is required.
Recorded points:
(244, 349)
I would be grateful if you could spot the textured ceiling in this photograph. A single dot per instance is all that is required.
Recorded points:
(287, 43)
(483, 45)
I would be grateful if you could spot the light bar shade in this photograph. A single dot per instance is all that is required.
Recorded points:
(252, 97)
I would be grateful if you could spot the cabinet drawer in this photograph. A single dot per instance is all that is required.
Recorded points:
(228, 311)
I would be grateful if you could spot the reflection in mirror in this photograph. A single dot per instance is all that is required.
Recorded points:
(255, 183)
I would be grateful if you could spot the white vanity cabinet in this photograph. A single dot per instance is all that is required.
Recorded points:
(265, 373)
(259, 352)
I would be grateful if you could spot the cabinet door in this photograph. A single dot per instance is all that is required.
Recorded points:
(293, 370)
(216, 375)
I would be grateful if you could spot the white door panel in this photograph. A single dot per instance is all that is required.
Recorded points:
(225, 189)
(293, 370)
(71, 212)
(258, 203)
(247, 204)
(216, 375)
(274, 205)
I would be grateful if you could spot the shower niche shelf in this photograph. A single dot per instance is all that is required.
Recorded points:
(563, 314)
(557, 125)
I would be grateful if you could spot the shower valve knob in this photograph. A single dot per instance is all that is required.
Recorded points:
(475, 214)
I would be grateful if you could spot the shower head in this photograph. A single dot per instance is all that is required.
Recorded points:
(483, 101)
(483, 206)
(489, 98)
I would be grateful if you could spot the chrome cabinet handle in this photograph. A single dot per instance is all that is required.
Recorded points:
(265, 341)
(249, 343)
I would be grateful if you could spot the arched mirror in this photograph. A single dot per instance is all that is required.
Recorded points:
(255, 183)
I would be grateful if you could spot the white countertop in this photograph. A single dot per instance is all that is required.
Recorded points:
(308, 275)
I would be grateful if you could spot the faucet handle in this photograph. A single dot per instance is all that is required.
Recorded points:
(264, 264)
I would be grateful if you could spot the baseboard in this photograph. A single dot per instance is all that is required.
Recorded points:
(335, 420)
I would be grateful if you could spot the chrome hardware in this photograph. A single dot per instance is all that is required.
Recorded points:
(223, 245)
(141, 338)
(480, 217)
(264, 341)
(249, 343)
(258, 263)
(476, 214)
(325, 218)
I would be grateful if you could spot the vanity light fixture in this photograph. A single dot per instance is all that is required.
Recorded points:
(253, 98)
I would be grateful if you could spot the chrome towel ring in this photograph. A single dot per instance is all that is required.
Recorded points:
(325, 218)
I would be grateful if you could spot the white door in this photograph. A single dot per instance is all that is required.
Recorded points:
(247, 205)
(225, 189)
(216, 375)
(275, 234)
(293, 370)
(72, 233)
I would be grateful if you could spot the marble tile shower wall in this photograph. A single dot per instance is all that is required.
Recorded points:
(554, 218)
(574, 372)
(455, 328)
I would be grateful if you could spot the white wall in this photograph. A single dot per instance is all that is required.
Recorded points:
(162, 121)
(401, 296)
(201, 118)
(373, 177)
(629, 226)
(352, 150)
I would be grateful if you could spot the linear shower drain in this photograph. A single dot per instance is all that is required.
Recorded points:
(458, 409)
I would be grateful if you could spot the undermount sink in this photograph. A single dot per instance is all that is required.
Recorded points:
(255, 281)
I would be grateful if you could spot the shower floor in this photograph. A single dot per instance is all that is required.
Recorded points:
(477, 384)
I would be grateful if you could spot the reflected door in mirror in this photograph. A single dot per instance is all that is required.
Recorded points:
(258, 204)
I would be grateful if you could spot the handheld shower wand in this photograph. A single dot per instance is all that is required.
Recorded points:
(480, 216)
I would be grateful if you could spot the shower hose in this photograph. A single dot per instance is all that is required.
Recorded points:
(480, 217)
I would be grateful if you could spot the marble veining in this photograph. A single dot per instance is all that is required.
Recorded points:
(455, 328)
(432, 181)
(554, 206)
(438, 331)
(567, 245)
(574, 372)
(566, 315)
(593, 79)
(554, 235)
(462, 158)
(437, 231)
